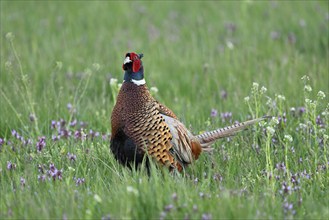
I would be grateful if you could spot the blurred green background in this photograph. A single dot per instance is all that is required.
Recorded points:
(194, 51)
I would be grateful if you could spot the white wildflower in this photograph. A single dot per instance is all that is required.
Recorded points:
(305, 78)
(132, 190)
(308, 88)
(255, 85)
(88, 72)
(97, 198)
(10, 36)
(59, 65)
(263, 90)
(281, 97)
(230, 45)
(270, 130)
(154, 89)
(269, 101)
(321, 95)
(308, 101)
(302, 126)
(246, 99)
(274, 121)
(322, 131)
(325, 137)
(325, 113)
(113, 81)
(288, 138)
(96, 66)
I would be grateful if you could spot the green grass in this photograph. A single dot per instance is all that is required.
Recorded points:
(56, 53)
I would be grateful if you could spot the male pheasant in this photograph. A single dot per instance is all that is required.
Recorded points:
(141, 125)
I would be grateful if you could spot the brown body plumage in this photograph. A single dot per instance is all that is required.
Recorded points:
(141, 125)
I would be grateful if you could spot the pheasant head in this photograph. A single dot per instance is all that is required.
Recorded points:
(133, 67)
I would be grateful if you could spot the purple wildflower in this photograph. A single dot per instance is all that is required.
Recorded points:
(230, 27)
(304, 174)
(281, 166)
(275, 35)
(106, 137)
(26, 142)
(79, 181)
(292, 38)
(41, 143)
(61, 123)
(217, 177)
(83, 124)
(301, 110)
(223, 94)
(1, 141)
(285, 188)
(163, 215)
(169, 207)
(187, 216)
(42, 178)
(93, 134)
(226, 116)
(53, 124)
(22, 180)
(282, 118)
(106, 217)
(72, 157)
(73, 123)
(10, 165)
(320, 122)
(78, 134)
(55, 138)
(69, 106)
(52, 167)
(213, 112)
(206, 216)
(288, 207)
(294, 179)
(174, 196)
(54, 172)
(65, 133)
(14, 133)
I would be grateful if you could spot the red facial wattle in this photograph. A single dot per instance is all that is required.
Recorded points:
(136, 62)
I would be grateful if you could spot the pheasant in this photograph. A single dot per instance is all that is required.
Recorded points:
(143, 126)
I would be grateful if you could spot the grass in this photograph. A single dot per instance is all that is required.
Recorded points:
(246, 58)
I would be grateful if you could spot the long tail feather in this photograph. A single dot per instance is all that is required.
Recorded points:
(207, 138)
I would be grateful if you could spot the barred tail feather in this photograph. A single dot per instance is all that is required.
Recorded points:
(209, 137)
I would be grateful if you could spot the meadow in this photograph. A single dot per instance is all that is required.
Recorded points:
(213, 63)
